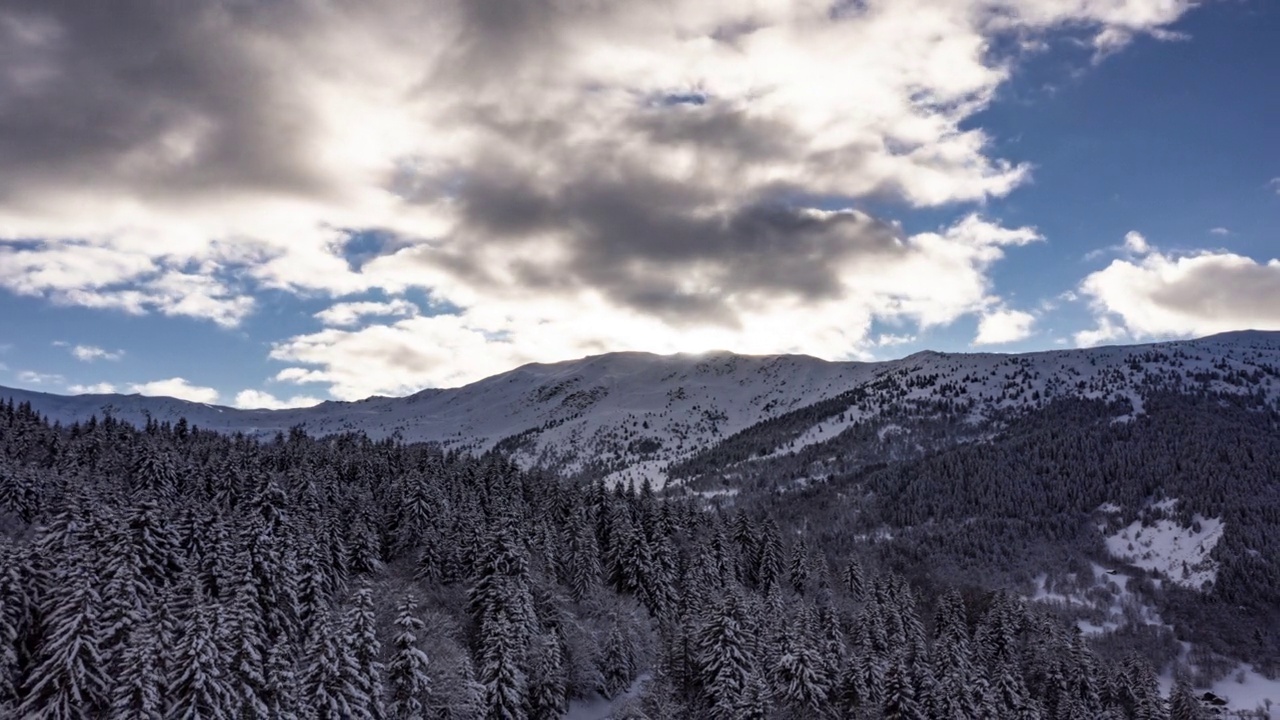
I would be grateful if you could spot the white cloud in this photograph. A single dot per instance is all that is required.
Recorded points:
(1219, 231)
(1004, 326)
(929, 279)
(90, 353)
(176, 387)
(1106, 331)
(1135, 243)
(890, 340)
(39, 378)
(1274, 184)
(102, 388)
(254, 399)
(1167, 295)
(574, 177)
(351, 313)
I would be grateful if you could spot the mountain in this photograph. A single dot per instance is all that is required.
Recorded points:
(636, 415)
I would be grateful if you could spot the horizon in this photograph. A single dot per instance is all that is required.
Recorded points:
(709, 353)
(217, 204)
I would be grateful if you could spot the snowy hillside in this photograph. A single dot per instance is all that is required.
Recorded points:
(631, 415)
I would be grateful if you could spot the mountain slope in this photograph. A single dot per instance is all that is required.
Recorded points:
(633, 415)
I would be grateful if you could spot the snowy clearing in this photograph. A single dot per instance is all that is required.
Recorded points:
(1180, 554)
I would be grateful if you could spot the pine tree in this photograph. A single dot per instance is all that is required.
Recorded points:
(248, 676)
(500, 668)
(580, 565)
(798, 677)
(854, 580)
(139, 688)
(547, 699)
(899, 693)
(799, 569)
(1183, 704)
(408, 675)
(755, 702)
(200, 690)
(769, 570)
(952, 697)
(69, 679)
(330, 687)
(15, 613)
(725, 659)
(362, 633)
(617, 662)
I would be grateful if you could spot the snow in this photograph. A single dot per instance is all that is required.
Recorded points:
(1179, 554)
(635, 414)
(1123, 607)
(596, 707)
(1247, 689)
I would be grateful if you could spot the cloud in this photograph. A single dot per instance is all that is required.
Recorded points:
(1004, 326)
(255, 399)
(39, 378)
(90, 353)
(1219, 231)
(176, 387)
(1167, 295)
(102, 388)
(351, 313)
(929, 279)
(1135, 243)
(672, 168)
(1274, 184)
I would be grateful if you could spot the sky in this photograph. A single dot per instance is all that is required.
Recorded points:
(270, 203)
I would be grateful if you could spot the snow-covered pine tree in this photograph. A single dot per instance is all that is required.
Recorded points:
(139, 688)
(798, 677)
(362, 634)
(408, 673)
(248, 673)
(69, 679)
(769, 568)
(854, 580)
(1183, 704)
(330, 687)
(200, 689)
(800, 567)
(755, 703)
(724, 656)
(952, 698)
(546, 698)
(580, 564)
(15, 620)
(617, 659)
(899, 692)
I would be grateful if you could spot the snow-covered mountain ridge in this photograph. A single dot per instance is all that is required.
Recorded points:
(633, 414)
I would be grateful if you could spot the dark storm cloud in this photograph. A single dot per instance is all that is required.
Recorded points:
(652, 245)
(157, 97)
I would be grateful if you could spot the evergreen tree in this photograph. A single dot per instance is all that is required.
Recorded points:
(617, 659)
(798, 677)
(69, 679)
(408, 674)
(799, 569)
(362, 634)
(200, 689)
(1183, 704)
(331, 686)
(769, 568)
(139, 689)
(547, 699)
(724, 655)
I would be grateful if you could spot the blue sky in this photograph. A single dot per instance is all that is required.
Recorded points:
(432, 216)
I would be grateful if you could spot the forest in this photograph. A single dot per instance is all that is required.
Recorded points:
(171, 572)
